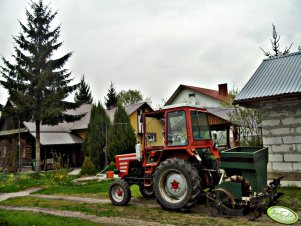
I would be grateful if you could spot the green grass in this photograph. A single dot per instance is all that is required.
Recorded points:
(19, 218)
(94, 187)
(59, 183)
(291, 198)
(18, 182)
(148, 214)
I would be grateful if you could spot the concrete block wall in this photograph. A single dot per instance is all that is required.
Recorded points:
(281, 124)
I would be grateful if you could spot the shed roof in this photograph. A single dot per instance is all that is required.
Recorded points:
(275, 77)
(215, 94)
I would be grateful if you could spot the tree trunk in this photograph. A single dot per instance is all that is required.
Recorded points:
(38, 148)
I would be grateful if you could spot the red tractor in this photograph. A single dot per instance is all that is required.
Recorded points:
(176, 162)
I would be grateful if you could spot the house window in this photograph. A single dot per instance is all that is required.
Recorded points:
(191, 95)
(151, 137)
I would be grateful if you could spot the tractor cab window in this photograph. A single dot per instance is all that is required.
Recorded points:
(200, 126)
(177, 128)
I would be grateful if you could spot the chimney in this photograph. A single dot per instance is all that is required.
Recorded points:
(223, 89)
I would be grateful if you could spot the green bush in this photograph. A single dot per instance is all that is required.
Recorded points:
(88, 167)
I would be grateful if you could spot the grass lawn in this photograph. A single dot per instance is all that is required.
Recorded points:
(18, 218)
(21, 181)
(151, 214)
(59, 183)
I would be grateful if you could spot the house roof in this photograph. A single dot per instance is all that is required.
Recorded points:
(275, 77)
(130, 109)
(61, 133)
(215, 94)
(48, 138)
(84, 121)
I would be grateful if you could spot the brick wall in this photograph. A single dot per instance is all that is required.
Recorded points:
(281, 123)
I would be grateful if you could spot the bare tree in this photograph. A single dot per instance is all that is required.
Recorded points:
(275, 45)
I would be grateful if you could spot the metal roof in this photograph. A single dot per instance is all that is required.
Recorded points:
(275, 77)
(58, 138)
(31, 126)
(84, 121)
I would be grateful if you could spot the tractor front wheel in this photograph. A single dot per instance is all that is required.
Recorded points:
(176, 185)
(120, 193)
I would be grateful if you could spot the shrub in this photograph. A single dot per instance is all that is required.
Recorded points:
(88, 167)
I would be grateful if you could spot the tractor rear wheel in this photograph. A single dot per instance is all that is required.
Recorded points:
(146, 192)
(120, 193)
(176, 185)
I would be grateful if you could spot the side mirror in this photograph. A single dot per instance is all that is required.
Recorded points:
(138, 151)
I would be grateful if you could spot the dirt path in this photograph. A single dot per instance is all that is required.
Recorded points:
(4, 196)
(88, 217)
(72, 198)
(135, 201)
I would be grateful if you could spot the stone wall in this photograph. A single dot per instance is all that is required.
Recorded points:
(281, 123)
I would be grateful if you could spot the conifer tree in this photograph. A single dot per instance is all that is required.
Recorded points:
(37, 84)
(83, 94)
(122, 138)
(95, 140)
(111, 98)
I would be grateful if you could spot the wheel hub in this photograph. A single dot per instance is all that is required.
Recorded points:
(176, 185)
(119, 192)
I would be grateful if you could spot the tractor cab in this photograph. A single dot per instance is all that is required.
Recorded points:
(176, 131)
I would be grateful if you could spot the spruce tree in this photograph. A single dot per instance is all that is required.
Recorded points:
(95, 140)
(111, 98)
(83, 94)
(37, 84)
(122, 138)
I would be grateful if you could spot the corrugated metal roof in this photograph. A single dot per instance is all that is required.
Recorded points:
(275, 77)
(58, 138)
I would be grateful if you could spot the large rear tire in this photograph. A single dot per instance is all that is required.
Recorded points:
(176, 185)
(120, 193)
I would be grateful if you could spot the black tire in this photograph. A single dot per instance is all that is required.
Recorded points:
(120, 193)
(147, 192)
(177, 185)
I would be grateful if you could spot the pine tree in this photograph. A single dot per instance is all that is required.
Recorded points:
(111, 98)
(122, 138)
(95, 140)
(36, 83)
(83, 94)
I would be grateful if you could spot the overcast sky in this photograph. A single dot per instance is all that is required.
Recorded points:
(156, 45)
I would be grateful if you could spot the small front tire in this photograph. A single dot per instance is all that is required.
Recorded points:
(120, 193)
